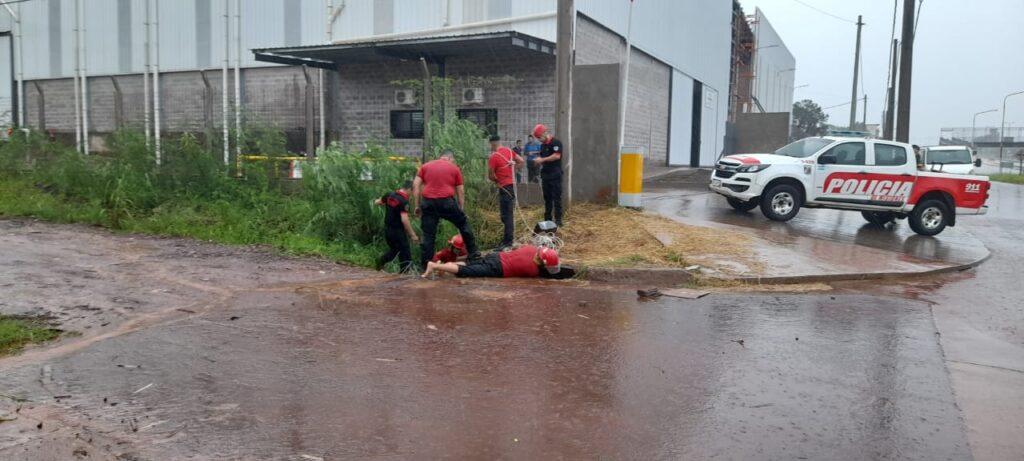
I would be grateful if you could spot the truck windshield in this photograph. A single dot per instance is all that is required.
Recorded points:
(803, 148)
(950, 157)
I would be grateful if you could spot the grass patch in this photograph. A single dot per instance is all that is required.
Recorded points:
(18, 332)
(1011, 178)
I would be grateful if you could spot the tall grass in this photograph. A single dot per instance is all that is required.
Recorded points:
(192, 193)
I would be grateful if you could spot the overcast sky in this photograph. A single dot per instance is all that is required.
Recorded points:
(968, 55)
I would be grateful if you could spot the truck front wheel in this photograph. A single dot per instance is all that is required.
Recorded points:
(929, 217)
(781, 202)
(740, 205)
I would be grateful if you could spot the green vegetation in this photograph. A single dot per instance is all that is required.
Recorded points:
(1011, 178)
(17, 332)
(192, 193)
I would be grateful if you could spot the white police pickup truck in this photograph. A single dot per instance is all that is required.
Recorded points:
(876, 177)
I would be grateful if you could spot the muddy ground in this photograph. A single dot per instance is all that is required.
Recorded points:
(191, 350)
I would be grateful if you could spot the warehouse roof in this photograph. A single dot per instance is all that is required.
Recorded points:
(434, 48)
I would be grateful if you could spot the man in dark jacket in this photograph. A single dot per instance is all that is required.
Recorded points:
(550, 162)
(397, 228)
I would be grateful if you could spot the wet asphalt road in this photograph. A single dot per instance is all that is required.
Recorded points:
(192, 350)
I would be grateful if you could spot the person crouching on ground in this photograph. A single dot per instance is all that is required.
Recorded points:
(501, 170)
(397, 227)
(439, 182)
(455, 252)
(525, 261)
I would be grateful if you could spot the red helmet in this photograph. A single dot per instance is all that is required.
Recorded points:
(549, 257)
(539, 130)
(457, 242)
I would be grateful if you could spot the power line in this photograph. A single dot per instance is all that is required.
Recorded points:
(847, 103)
(826, 13)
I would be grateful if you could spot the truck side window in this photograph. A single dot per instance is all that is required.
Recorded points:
(848, 153)
(889, 155)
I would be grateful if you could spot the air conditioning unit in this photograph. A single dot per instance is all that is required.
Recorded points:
(473, 96)
(405, 97)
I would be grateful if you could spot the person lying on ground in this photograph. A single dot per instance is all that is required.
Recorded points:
(455, 252)
(525, 261)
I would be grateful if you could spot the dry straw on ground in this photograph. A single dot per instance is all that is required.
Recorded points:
(597, 235)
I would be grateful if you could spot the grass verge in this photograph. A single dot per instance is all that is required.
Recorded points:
(17, 332)
(1008, 177)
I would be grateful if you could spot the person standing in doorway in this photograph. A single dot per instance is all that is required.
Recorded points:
(518, 150)
(550, 162)
(501, 169)
(532, 151)
(438, 193)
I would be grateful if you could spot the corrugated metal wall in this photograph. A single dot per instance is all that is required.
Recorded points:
(773, 81)
(191, 33)
(692, 36)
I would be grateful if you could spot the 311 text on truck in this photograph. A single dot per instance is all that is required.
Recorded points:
(878, 178)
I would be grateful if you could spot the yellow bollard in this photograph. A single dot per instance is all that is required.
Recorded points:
(631, 176)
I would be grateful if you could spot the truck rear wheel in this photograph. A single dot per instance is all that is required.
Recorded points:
(878, 218)
(740, 205)
(929, 217)
(781, 202)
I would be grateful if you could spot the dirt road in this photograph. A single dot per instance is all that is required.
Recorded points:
(192, 350)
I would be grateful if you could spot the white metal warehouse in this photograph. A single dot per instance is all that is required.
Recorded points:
(678, 79)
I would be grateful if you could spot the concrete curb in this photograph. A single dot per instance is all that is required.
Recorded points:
(855, 276)
(675, 277)
(651, 276)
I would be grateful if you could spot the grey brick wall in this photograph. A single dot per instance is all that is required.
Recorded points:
(647, 109)
(521, 88)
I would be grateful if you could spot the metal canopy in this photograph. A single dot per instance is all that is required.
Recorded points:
(434, 49)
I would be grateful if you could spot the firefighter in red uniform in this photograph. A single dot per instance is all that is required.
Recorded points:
(501, 170)
(455, 252)
(525, 261)
(397, 228)
(550, 162)
(439, 184)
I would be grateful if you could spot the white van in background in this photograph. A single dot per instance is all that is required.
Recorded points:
(951, 159)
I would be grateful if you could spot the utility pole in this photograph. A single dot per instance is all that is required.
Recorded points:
(624, 90)
(428, 107)
(856, 70)
(864, 122)
(906, 71)
(563, 84)
(1002, 131)
(890, 96)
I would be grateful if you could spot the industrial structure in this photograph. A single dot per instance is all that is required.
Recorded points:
(336, 74)
(762, 82)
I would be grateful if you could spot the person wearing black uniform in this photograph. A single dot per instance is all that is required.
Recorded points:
(397, 227)
(550, 162)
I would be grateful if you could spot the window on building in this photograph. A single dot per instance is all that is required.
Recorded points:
(487, 119)
(848, 153)
(407, 124)
(889, 155)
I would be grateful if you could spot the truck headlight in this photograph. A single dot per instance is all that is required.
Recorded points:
(752, 168)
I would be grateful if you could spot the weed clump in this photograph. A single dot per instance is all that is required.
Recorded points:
(192, 192)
